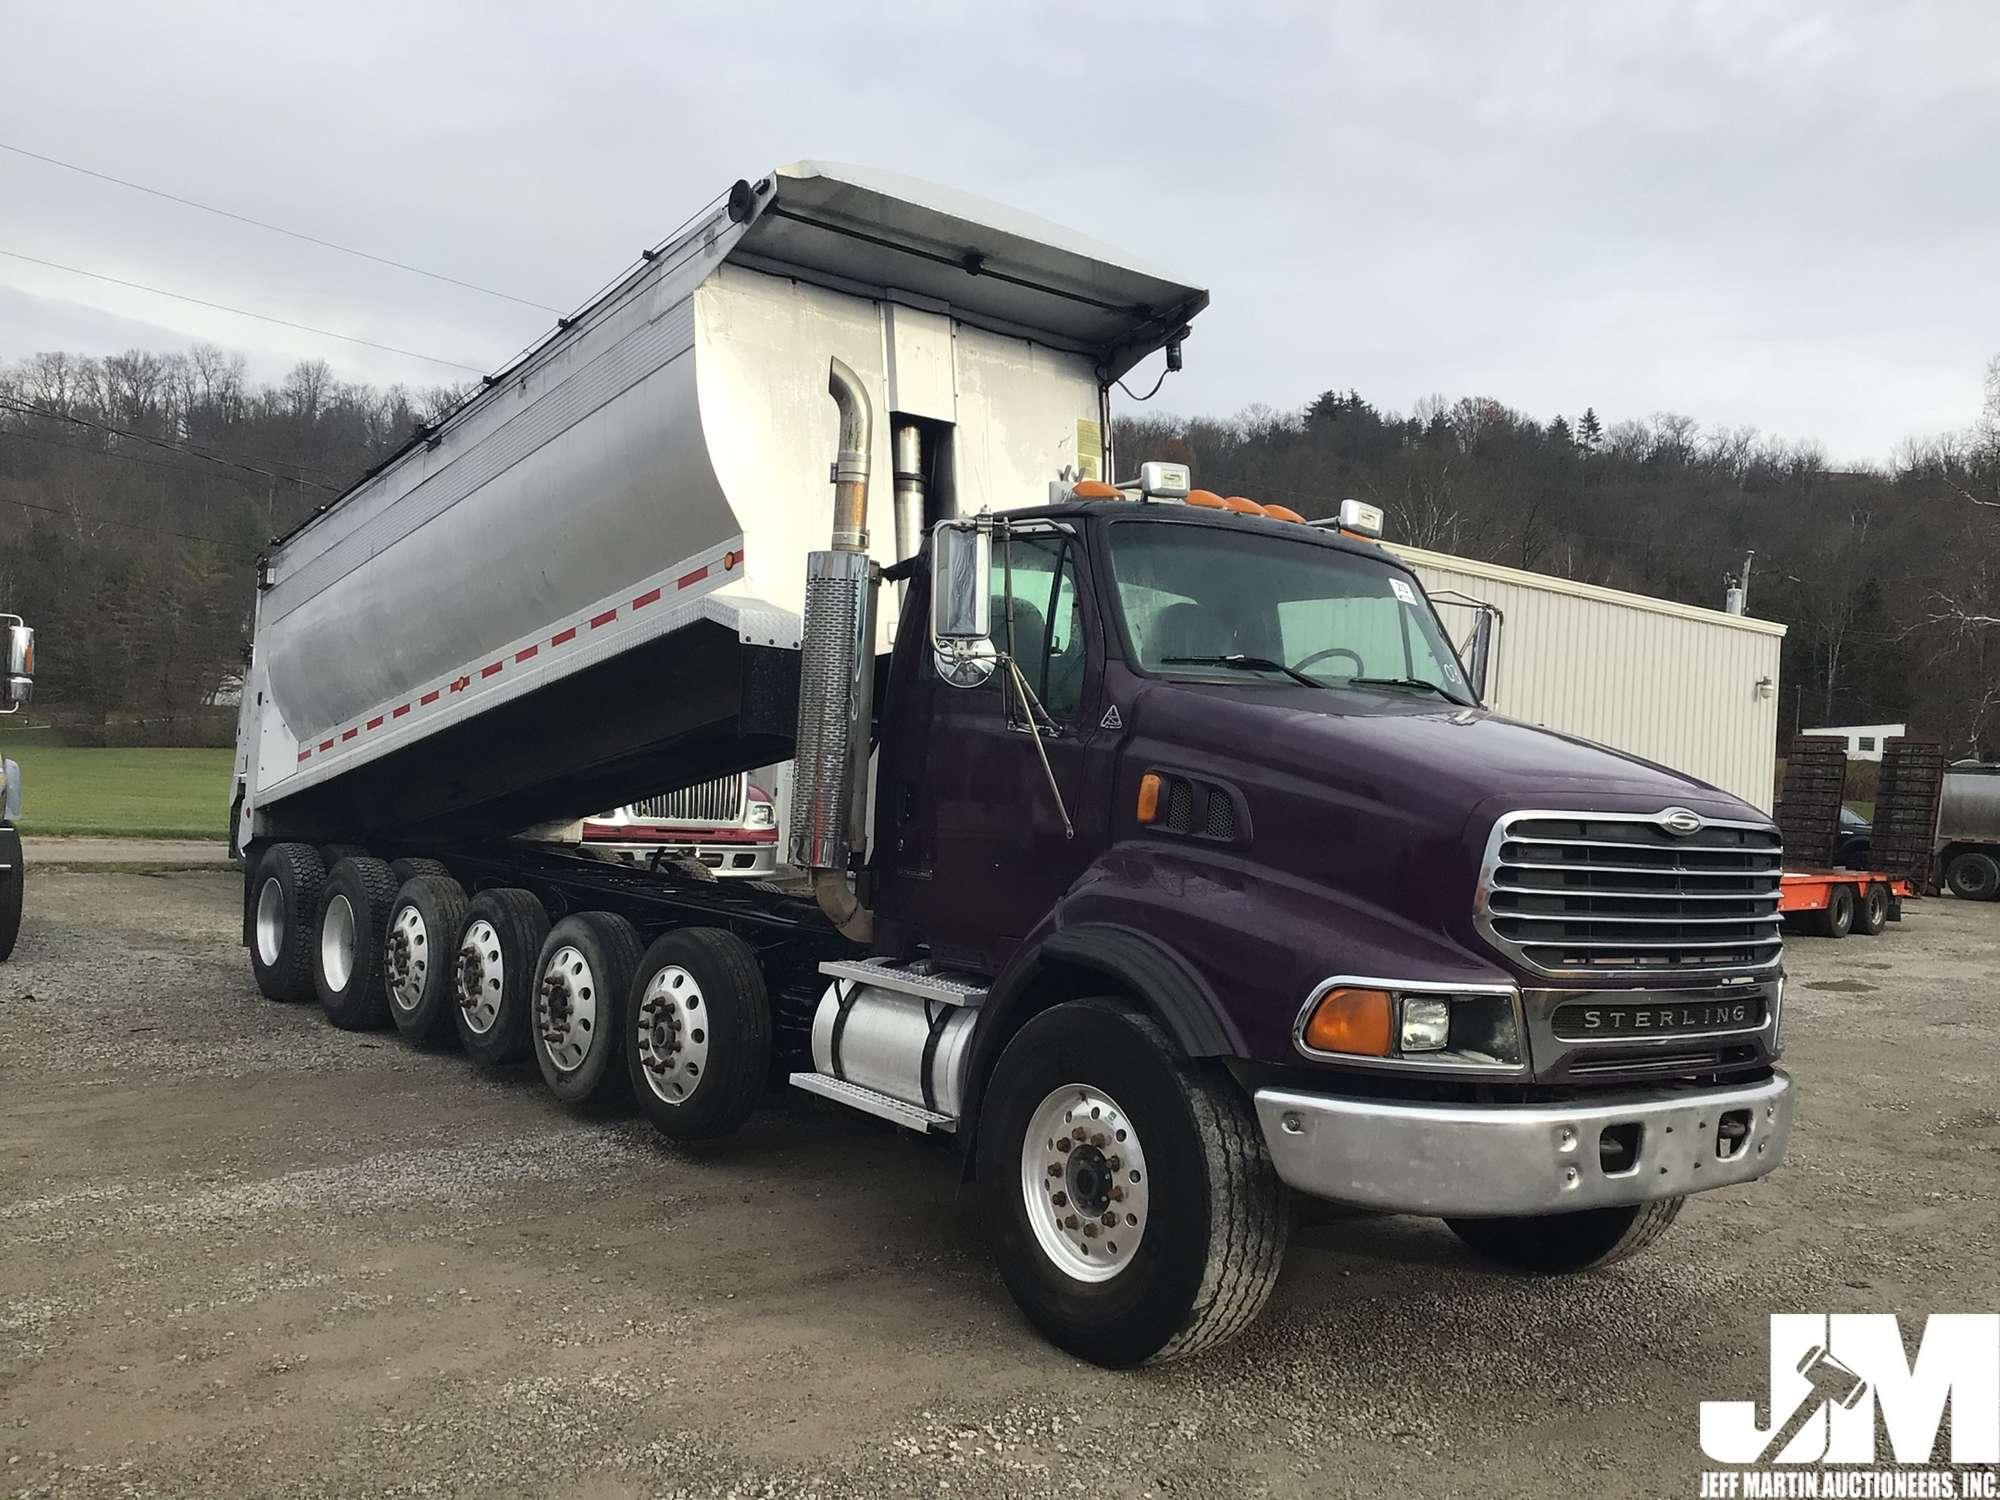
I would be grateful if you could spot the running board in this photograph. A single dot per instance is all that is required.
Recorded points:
(868, 1101)
(917, 979)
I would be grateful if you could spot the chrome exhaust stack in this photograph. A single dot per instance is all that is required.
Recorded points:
(837, 678)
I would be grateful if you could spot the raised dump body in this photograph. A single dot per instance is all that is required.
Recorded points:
(583, 586)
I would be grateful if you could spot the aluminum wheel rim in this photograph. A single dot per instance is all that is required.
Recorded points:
(482, 977)
(336, 943)
(673, 1025)
(1084, 1182)
(408, 958)
(566, 1009)
(270, 921)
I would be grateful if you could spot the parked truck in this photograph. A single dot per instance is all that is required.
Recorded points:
(1162, 856)
(727, 826)
(1968, 832)
(17, 685)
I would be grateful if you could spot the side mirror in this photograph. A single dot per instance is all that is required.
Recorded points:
(17, 658)
(1484, 628)
(962, 602)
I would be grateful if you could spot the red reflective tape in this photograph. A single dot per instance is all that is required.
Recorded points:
(695, 577)
(303, 754)
(564, 637)
(651, 596)
(604, 619)
(525, 652)
(428, 698)
(376, 722)
(326, 744)
(489, 669)
(348, 734)
(398, 713)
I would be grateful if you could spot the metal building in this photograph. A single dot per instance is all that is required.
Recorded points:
(1694, 689)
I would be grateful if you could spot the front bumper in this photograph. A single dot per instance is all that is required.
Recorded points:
(1525, 1159)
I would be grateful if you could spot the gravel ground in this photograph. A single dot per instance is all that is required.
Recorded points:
(244, 1253)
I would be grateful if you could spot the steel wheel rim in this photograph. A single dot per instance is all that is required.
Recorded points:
(336, 943)
(408, 958)
(482, 977)
(270, 921)
(672, 1029)
(566, 1009)
(1084, 1182)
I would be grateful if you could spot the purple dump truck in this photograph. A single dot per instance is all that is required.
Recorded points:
(1160, 853)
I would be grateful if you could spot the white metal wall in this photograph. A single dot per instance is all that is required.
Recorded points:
(1671, 682)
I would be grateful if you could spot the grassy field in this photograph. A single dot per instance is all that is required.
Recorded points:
(150, 794)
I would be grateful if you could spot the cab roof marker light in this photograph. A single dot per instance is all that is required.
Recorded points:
(1283, 513)
(1207, 500)
(1242, 506)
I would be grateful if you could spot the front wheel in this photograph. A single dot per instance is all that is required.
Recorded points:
(13, 881)
(1555, 1244)
(1836, 920)
(1129, 1199)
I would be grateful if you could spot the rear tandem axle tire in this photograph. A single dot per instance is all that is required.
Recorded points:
(347, 960)
(418, 968)
(284, 923)
(698, 1046)
(494, 974)
(1874, 913)
(1973, 876)
(1836, 919)
(582, 985)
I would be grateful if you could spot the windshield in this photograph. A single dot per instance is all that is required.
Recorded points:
(1192, 597)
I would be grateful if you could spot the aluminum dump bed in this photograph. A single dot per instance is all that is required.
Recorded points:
(584, 585)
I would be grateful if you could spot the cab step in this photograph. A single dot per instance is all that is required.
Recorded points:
(869, 1101)
(918, 979)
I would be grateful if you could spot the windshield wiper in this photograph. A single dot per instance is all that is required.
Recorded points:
(1409, 682)
(1242, 663)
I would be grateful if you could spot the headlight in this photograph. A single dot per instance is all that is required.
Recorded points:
(1426, 1023)
(763, 815)
(1471, 1028)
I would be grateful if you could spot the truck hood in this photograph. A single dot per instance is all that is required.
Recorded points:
(1387, 796)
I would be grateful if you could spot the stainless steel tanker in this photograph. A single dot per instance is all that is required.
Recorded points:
(617, 527)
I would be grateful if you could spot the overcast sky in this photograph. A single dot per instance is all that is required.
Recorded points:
(1781, 215)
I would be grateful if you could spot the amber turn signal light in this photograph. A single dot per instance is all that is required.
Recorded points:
(1149, 796)
(1352, 1021)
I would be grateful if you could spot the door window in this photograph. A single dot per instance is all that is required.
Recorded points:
(1047, 620)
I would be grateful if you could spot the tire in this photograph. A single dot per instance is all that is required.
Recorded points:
(1873, 914)
(493, 976)
(1213, 1218)
(583, 981)
(1836, 919)
(698, 1048)
(1557, 1244)
(347, 953)
(406, 870)
(1973, 876)
(284, 920)
(13, 885)
(419, 958)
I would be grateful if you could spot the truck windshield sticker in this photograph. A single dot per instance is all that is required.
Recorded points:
(1402, 591)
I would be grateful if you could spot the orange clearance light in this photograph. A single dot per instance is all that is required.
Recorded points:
(1149, 797)
(1095, 489)
(1242, 506)
(1351, 1021)
(1207, 499)
(1283, 513)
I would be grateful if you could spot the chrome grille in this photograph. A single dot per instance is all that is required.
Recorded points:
(1611, 893)
(709, 803)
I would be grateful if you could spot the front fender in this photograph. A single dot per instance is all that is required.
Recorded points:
(1224, 951)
